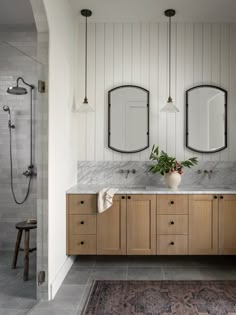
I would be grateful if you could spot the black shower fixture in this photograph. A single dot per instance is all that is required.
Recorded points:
(18, 90)
(7, 109)
(30, 172)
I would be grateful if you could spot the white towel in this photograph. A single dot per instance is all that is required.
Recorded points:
(105, 199)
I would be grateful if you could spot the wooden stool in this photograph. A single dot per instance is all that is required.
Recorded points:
(23, 226)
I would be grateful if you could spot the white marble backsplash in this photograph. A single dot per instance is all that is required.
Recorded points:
(107, 173)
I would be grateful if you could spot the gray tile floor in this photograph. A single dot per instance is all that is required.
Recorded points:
(17, 297)
(73, 293)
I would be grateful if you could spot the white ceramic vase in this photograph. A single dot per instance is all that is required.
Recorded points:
(173, 179)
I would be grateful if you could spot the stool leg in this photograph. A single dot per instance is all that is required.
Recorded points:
(19, 235)
(26, 259)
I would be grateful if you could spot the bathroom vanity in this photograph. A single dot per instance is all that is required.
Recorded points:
(152, 222)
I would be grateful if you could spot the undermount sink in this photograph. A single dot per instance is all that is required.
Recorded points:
(221, 188)
(131, 187)
(213, 188)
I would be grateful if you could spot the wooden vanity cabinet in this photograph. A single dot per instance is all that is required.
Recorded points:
(128, 227)
(172, 204)
(227, 224)
(141, 224)
(152, 224)
(111, 228)
(81, 224)
(203, 224)
(172, 224)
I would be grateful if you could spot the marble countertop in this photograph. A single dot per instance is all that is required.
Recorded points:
(94, 189)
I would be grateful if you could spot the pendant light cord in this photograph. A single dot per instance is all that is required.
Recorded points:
(169, 56)
(169, 107)
(86, 43)
(86, 13)
(31, 128)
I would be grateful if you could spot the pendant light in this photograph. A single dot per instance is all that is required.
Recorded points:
(170, 106)
(85, 107)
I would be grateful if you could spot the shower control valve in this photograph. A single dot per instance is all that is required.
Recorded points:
(30, 172)
(10, 125)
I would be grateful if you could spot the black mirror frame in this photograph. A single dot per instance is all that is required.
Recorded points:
(187, 125)
(109, 118)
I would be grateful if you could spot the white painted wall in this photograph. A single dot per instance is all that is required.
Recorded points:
(62, 149)
(137, 54)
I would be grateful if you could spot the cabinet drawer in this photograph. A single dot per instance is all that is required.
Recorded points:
(83, 245)
(172, 245)
(82, 224)
(172, 204)
(172, 224)
(82, 204)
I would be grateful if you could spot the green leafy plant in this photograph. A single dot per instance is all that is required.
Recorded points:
(166, 164)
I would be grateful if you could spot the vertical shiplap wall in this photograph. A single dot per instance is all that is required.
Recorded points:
(137, 54)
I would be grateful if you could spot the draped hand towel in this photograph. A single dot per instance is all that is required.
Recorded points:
(105, 198)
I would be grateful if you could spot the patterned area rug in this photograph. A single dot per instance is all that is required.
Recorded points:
(161, 298)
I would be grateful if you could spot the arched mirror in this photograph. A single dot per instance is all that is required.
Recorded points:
(206, 119)
(128, 119)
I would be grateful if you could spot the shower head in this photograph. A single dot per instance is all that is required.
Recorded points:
(18, 90)
(6, 109)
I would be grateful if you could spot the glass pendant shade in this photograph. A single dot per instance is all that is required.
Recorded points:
(170, 107)
(85, 107)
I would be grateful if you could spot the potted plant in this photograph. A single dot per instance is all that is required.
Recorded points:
(169, 167)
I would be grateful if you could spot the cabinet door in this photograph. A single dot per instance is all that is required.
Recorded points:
(82, 204)
(111, 228)
(203, 224)
(227, 221)
(172, 244)
(172, 204)
(141, 225)
(172, 224)
(81, 224)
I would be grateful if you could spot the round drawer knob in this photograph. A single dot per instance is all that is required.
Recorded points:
(215, 197)
(172, 202)
(221, 197)
(172, 243)
(82, 222)
(123, 197)
(172, 222)
(82, 243)
(129, 197)
(82, 202)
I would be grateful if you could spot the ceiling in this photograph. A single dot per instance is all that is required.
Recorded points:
(16, 12)
(152, 10)
(19, 12)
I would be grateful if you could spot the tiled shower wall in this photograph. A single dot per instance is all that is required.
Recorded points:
(17, 54)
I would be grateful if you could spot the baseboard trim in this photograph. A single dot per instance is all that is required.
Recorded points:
(56, 283)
